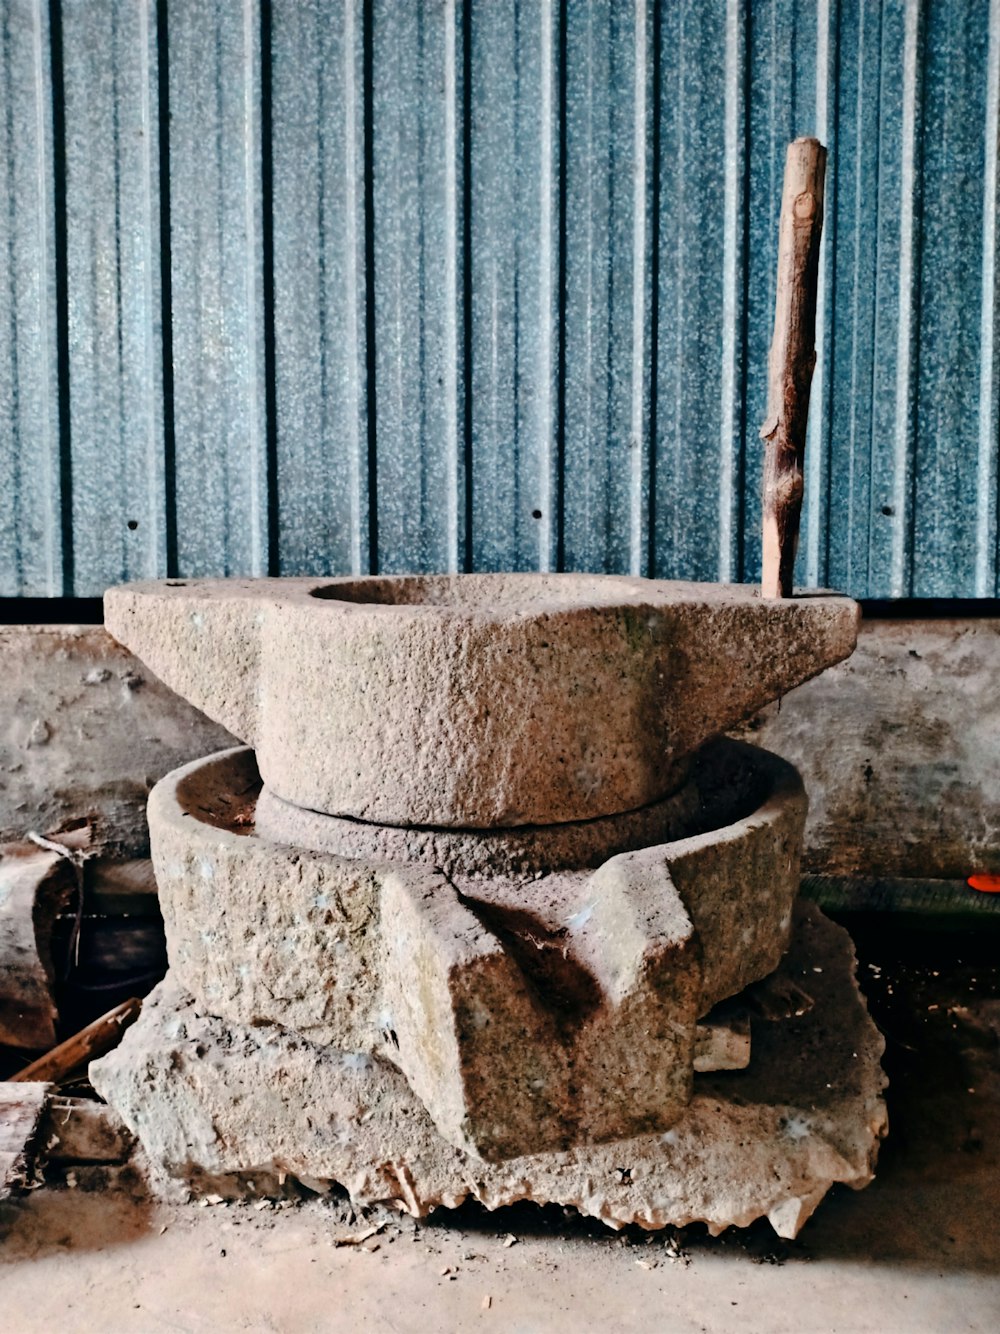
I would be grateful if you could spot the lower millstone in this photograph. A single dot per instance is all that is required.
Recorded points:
(231, 1108)
(527, 1013)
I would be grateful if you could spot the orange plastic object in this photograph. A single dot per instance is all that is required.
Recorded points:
(986, 884)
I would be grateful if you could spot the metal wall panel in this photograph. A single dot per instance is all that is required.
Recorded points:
(220, 464)
(419, 414)
(691, 460)
(608, 240)
(31, 472)
(320, 286)
(514, 277)
(313, 286)
(113, 284)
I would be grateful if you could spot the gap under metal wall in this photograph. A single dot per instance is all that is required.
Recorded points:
(320, 286)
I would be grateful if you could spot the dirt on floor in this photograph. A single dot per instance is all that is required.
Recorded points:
(919, 1250)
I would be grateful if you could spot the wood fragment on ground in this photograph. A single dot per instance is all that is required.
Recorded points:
(21, 1110)
(98, 1038)
(356, 1238)
(776, 998)
(791, 361)
(36, 884)
(78, 1130)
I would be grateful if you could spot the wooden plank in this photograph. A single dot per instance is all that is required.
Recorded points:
(21, 1108)
(77, 1130)
(35, 883)
(122, 887)
(103, 1035)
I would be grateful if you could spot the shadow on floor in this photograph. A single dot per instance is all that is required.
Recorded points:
(935, 1203)
(109, 1207)
(933, 1207)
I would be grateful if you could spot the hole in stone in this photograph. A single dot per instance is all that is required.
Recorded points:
(481, 590)
(536, 514)
(132, 525)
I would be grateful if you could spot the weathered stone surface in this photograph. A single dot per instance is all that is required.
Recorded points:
(722, 1044)
(739, 884)
(567, 1019)
(476, 700)
(539, 1012)
(258, 932)
(900, 751)
(87, 730)
(724, 784)
(520, 851)
(216, 1104)
(476, 1047)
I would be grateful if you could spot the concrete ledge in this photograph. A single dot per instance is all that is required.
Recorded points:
(86, 730)
(899, 749)
(899, 746)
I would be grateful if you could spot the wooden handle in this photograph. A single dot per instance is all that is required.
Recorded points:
(103, 1035)
(791, 361)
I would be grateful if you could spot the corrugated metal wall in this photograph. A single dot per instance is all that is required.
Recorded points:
(314, 286)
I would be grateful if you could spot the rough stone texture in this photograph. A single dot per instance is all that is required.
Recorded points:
(216, 1105)
(565, 1019)
(476, 700)
(540, 1011)
(259, 932)
(86, 731)
(722, 1044)
(900, 751)
(524, 850)
(724, 784)
(739, 884)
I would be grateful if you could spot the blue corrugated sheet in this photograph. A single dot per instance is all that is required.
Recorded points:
(310, 286)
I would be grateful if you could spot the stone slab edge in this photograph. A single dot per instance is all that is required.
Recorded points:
(221, 1105)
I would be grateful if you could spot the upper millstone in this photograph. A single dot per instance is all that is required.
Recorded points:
(476, 701)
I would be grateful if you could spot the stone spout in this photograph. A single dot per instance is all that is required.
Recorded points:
(476, 701)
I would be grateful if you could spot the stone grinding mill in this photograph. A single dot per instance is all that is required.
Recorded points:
(488, 907)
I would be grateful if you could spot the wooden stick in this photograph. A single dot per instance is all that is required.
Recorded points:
(791, 361)
(103, 1035)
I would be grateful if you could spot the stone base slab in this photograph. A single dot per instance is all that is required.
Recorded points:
(222, 1106)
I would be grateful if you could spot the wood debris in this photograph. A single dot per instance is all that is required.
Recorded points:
(77, 1130)
(36, 884)
(98, 1038)
(357, 1238)
(21, 1111)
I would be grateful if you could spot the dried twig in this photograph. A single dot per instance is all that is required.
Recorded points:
(103, 1035)
(791, 361)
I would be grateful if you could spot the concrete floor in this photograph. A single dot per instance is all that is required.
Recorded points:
(918, 1251)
